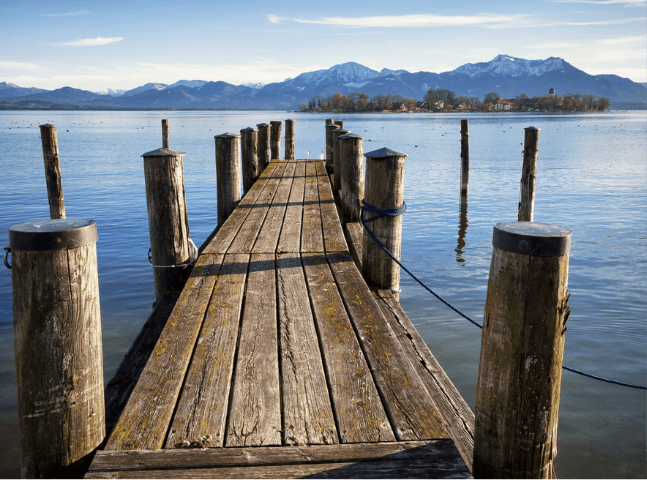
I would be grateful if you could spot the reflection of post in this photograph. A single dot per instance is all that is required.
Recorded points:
(462, 230)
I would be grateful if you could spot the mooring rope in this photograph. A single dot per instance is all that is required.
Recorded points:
(394, 212)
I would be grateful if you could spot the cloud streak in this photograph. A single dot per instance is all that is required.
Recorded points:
(399, 21)
(68, 14)
(627, 3)
(91, 42)
(29, 67)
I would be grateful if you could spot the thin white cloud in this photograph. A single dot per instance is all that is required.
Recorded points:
(628, 3)
(399, 21)
(556, 45)
(614, 41)
(29, 67)
(91, 42)
(68, 14)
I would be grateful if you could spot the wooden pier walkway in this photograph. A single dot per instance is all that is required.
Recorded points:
(276, 360)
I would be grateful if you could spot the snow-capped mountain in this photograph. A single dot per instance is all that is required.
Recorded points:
(143, 88)
(512, 66)
(8, 90)
(350, 72)
(255, 86)
(187, 83)
(112, 92)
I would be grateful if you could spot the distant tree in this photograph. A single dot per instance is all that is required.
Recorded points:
(491, 97)
(603, 103)
(362, 102)
(303, 106)
(336, 101)
(430, 97)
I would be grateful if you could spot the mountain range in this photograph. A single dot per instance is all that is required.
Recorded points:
(506, 75)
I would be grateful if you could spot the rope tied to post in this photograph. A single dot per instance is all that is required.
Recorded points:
(7, 251)
(193, 257)
(394, 212)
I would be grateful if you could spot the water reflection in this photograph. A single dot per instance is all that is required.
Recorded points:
(462, 229)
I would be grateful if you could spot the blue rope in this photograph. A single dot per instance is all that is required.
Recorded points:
(394, 212)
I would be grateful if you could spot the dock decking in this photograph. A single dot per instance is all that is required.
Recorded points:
(276, 360)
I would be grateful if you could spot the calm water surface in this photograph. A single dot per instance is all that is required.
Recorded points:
(592, 178)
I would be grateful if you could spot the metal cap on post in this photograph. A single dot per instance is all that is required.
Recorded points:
(168, 222)
(337, 156)
(264, 150)
(352, 176)
(227, 174)
(522, 346)
(58, 345)
(384, 190)
(289, 139)
(249, 157)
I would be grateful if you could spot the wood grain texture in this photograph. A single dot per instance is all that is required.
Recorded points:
(333, 235)
(528, 175)
(58, 358)
(246, 236)
(453, 409)
(411, 410)
(329, 144)
(145, 419)
(358, 410)
(520, 368)
(307, 412)
(249, 157)
(264, 150)
(255, 412)
(275, 139)
(465, 156)
(337, 156)
(311, 235)
(268, 237)
(228, 231)
(228, 174)
(354, 233)
(290, 238)
(165, 133)
(202, 406)
(49, 141)
(289, 139)
(352, 177)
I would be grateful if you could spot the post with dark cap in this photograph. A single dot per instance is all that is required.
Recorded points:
(384, 190)
(165, 133)
(275, 143)
(249, 157)
(289, 139)
(58, 346)
(329, 145)
(522, 345)
(330, 121)
(49, 140)
(168, 222)
(228, 174)
(528, 175)
(352, 176)
(465, 156)
(337, 156)
(263, 149)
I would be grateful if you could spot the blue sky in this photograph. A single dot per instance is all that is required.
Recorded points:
(124, 44)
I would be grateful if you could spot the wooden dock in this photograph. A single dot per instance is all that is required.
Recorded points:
(275, 360)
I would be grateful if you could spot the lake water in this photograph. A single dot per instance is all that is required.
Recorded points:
(592, 179)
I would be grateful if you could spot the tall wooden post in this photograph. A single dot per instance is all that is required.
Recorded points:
(337, 156)
(164, 133)
(227, 174)
(522, 346)
(329, 144)
(168, 222)
(528, 175)
(58, 346)
(275, 143)
(289, 139)
(384, 190)
(465, 156)
(352, 176)
(330, 121)
(49, 141)
(340, 123)
(249, 157)
(263, 149)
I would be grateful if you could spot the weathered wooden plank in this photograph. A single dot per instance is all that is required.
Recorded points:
(452, 407)
(354, 233)
(269, 234)
(358, 409)
(229, 229)
(307, 413)
(333, 235)
(202, 407)
(412, 411)
(290, 239)
(145, 418)
(246, 236)
(311, 235)
(140, 460)
(255, 412)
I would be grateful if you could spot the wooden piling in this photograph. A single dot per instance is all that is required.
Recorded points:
(168, 222)
(289, 139)
(275, 143)
(165, 133)
(337, 156)
(385, 190)
(528, 175)
(352, 176)
(330, 121)
(263, 149)
(249, 157)
(340, 123)
(49, 141)
(58, 346)
(228, 174)
(522, 346)
(465, 156)
(329, 144)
